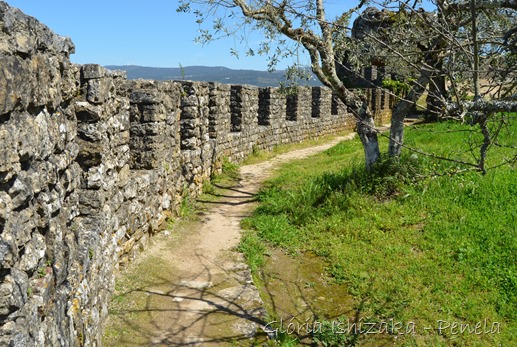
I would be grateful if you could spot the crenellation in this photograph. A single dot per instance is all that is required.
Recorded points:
(304, 103)
(336, 105)
(219, 107)
(316, 102)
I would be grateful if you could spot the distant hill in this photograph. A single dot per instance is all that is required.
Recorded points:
(208, 74)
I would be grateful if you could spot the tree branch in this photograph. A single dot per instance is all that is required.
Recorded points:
(488, 106)
(483, 4)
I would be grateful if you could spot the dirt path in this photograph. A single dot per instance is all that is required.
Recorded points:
(192, 288)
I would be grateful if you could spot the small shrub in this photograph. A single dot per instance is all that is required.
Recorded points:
(187, 207)
(230, 169)
(208, 188)
(253, 249)
(255, 151)
(387, 177)
(331, 334)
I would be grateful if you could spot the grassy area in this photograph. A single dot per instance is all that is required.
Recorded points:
(435, 254)
(215, 186)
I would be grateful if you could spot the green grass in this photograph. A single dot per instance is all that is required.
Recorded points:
(218, 182)
(412, 242)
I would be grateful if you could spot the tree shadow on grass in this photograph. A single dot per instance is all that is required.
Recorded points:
(312, 308)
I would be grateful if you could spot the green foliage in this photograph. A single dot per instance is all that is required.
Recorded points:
(41, 272)
(294, 76)
(186, 208)
(286, 340)
(399, 88)
(182, 70)
(169, 223)
(411, 240)
(209, 188)
(318, 196)
(255, 150)
(231, 170)
(327, 334)
(254, 250)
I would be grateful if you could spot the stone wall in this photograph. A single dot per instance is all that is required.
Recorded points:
(91, 164)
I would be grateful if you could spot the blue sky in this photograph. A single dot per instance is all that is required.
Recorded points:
(130, 32)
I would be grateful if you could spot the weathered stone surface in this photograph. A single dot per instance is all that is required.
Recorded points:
(25, 34)
(90, 153)
(34, 252)
(20, 192)
(372, 19)
(92, 71)
(146, 97)
(30, 56)
(98, 90)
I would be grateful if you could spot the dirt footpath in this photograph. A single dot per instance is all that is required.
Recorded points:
(191, 287)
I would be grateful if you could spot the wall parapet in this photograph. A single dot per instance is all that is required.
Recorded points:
(92, 163)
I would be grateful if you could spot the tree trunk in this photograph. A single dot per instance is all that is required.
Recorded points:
(400, 112)
(368, 135)
(370, 143)
(365, 124)
(435, 98)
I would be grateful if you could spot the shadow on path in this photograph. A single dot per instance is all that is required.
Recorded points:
(197, 290)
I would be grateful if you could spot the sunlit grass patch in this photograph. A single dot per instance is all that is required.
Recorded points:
(412, 241)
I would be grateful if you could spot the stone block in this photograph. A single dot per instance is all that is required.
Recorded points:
(90, 153)
(14, 89)
(20, 192)
(145, 97)
(93, 71)
(98, 91)
(88, 113)
(91, 201)
(34, 252)
(153, 113)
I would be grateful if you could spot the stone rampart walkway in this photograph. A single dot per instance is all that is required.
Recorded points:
(197, 290)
